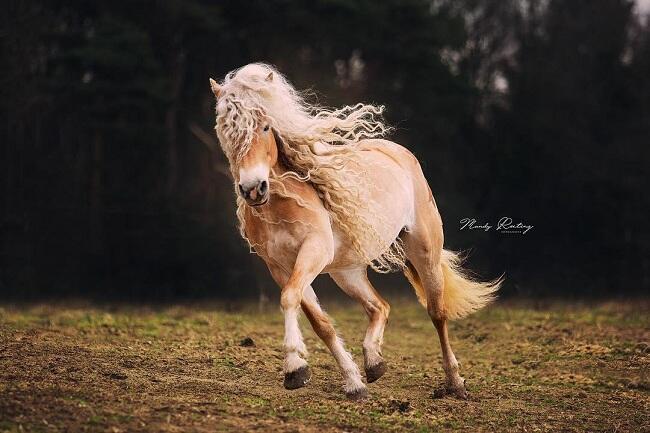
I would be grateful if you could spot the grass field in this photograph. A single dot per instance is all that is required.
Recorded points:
(529, 368)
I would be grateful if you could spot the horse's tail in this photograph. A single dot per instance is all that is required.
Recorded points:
(462, 294)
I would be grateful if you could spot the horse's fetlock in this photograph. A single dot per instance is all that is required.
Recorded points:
(293, 362)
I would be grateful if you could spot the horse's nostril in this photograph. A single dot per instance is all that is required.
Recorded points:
(241, 190)
(264, 185)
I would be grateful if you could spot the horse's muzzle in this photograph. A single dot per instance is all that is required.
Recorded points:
(256, 193)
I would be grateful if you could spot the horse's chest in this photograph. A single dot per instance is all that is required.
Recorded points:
(279, 242)
(278, 230)
(283, 242)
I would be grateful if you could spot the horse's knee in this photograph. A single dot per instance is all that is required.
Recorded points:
(377, 309)
(290, 298)
(385, 309)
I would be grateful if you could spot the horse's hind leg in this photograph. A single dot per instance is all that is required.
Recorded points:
(356, 284)
(423, 249)
(320, 321)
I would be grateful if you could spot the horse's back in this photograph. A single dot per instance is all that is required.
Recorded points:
(395, 170)
(407, 163)
(396, 152)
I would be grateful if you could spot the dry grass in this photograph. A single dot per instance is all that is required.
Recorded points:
(553, 368)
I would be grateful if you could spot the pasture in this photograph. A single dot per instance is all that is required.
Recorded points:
(529, 367)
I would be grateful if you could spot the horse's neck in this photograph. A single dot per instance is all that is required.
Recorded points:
(279, 168)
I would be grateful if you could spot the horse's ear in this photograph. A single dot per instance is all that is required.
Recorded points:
(216, 88)
(269, 77)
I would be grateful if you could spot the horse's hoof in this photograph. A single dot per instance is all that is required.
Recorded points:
(357, 394)
(375, 372)
(298, 378)
(459, 391)
(439, 392)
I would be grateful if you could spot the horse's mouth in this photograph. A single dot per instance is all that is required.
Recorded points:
(266, 200)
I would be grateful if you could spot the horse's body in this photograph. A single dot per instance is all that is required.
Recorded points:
(300, 231)
(393, 195)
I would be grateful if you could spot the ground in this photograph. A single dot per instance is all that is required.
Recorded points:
(529, 367)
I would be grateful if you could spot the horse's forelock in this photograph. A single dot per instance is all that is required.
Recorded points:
(236, 124)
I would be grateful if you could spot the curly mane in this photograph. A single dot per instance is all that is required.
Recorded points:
(316, 144)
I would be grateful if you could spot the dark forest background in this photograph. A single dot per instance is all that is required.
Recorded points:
(112, 184)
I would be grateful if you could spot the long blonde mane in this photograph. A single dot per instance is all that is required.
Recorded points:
(317, 145)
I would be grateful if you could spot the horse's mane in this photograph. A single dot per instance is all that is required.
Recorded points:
(315, 144)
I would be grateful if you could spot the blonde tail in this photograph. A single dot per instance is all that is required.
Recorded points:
(462, 294)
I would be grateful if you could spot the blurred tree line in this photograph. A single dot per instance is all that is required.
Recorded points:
(113, 183)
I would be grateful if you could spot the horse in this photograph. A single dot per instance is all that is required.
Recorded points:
(321, 191)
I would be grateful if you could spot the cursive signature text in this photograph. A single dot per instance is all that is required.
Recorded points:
(504, 225)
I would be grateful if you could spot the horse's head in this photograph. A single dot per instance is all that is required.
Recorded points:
(252, 169)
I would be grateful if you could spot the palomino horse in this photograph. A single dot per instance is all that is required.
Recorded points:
(319, 191)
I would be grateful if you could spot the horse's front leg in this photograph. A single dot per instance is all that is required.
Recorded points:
(312, 257)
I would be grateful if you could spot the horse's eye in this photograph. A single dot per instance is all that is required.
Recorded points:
(266, 128)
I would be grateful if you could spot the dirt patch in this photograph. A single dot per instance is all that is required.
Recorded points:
(559, 368)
